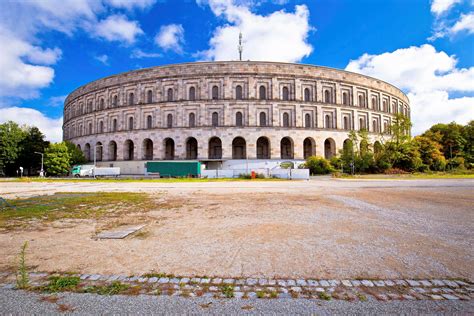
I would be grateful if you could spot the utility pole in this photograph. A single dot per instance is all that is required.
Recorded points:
(41, 171)
(240, 47)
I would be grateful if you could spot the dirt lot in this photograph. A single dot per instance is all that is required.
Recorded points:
(321, 228)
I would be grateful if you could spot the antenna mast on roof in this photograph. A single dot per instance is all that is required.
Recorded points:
(240, 47)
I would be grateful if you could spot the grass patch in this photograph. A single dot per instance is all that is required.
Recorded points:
(61, 284)
(227, 290)
(361, 297)
(71, 206)
(162, 180)
(324, 296)
(111, 289)
(466, 174)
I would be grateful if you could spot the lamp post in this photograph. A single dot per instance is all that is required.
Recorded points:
(95, 158)
(41, 171)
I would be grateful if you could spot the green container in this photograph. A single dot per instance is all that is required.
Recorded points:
(174, 168)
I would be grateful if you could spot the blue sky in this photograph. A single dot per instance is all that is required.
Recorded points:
(51, 47)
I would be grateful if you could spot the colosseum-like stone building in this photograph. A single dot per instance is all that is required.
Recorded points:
(223, 112)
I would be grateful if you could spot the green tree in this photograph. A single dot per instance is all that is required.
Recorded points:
(77, 156)
(430, 153)
(11, 136)
(57, 159)
(31, 143)
(318, 165)
(451, 138)
(468, 133)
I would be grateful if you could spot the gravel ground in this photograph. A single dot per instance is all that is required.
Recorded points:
(304, 229)
(23, 303)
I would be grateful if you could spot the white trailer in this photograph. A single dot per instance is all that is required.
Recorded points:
(105, 172)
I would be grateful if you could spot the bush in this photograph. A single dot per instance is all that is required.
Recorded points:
(318, 165)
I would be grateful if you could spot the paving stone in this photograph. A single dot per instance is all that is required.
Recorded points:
(381, 297)
(252, 281)
(435, 290)
(142, 280)
(122, 278)
(284, 295)
(205, 281)
(291, 282)
(237, 288)
(238, 294)
(438, 282)
(346, 283)
(401, 282)
(324, 283)
(283, 290)
(114, 277)
(436, 297)
(367, 283)
(319, 289)
(188, 287)
(94, 277)
(228, 281)
(153, 280)
(174, 280)
(418, 290)
(426, 283)
(301, 282)
(447, 290)
(389, 283)
(208, 295)
(313, 283)
(470, 289)
(296, 289)
(461, 283)
(104, 277)
(177, 293)
(32, 275)
(175, 286)
(184, 280)
(334, 282)
(413, 283)
(216, 281)
(262, 282)
(246, 288)
(163, 280)
(240, 281)
(379, 283)
(330, 289)
(450, 283)
(464, 297)
(272, 282)
(213, 288)
(9, 286)
(356, 282)
(281, 282)
(271, 289)
(460, 290)
(408, 297)
(450, 297)
(251, 295)
(394, 296)
(84, 276)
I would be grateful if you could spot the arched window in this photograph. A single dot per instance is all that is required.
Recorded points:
(191, 148)
(115, 102)
(345, 98)
(114, 125)
(89, 108)
(169, 120)
(192, 120)
(375, 126)
(101, 104)
(170, 94)
(262, 93)
(90, 128)
(327, 121)
(375, 104)
(215, 93)
(149, 97)
(131, 98)
(285, 94)
(192, 94)
(149, 121)
(263, 119)
(215, 119)
(130, 123)
(286, 120)
(238, 92)
(346, 123)
(361, 101)
(239, 119)
(307, 95)
(385, 127)
(362, 124)
(327, 96)
(384, 104)
(263, 148)
(307, 120)
(101, 127)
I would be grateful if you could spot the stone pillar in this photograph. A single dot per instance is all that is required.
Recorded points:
(319, 117)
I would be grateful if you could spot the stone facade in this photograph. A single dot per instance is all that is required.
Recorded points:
(197, 110)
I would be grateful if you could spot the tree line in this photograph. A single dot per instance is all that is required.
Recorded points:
(442, 147)
(20, 146)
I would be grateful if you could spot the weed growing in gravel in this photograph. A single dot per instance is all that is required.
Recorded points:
(22, 280)
(154, 275)
(324, 296)
(228, 290)
(111, 289)
(361, 297)
(61, 284)
(273, 294)
(260, 294)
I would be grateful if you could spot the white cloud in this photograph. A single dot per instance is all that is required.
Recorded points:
(103, 59)
(428, 76)
(279, 36)
(465, 23)
(439, 7)
(52, 128)
(171, 37)
(118, 28)
(131, 4)
(138, 54)
(57, 100)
